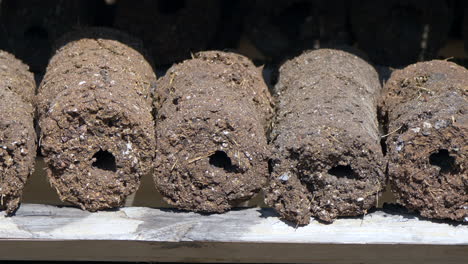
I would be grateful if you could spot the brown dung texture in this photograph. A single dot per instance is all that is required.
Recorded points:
(213, 112)
(15, 76)
(28, 28)
(284, 28)
(97, 130)
(17, 134)
(427, 112)
(104, 33)
(400, 32)
(170, 29)
(328, 160)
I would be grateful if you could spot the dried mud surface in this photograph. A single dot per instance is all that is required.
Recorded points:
(212, 149)
(328, 160)
(427, 112)
(172, 30)
(97, 131)
(400, 32)
(17, 134)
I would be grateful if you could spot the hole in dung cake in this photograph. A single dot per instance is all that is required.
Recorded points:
(341, 171)
(221, 160)
(443, 160)
(104, 161)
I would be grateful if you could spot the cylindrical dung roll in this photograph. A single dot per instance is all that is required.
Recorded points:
(212, 150)
(17, 134)
(97, 130)
(15, 75)
(427, 111)
(328, 159)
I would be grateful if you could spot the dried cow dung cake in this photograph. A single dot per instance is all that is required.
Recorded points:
(15, 76)
(136, 45)
(170, 29)
(212, 150)
(328, 160)
(17, 134)
(400, 32)
(97, 131)
(28, 28)
(427, 112)
(287, 27)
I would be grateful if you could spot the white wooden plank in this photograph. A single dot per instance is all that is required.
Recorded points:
(44, 232)
(254, 225)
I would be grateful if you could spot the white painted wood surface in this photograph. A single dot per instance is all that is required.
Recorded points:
(45, 232)
(33, 221)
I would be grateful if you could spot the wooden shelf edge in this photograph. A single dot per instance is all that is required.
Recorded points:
(223, 252)
(44, 232)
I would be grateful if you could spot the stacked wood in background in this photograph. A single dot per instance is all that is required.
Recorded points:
(170, 29)
(328, 159)
(230, 25)
(28, 28)
(285, 28)
(97, 130)
(427, 112)
(394, 33)
(400, 32)
(465, 29)
(213, 112)
(17, 134)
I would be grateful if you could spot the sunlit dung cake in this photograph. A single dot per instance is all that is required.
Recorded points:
(97, 130)
(327, 158)
(212, 115)
(425, 105)
(17, 134)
